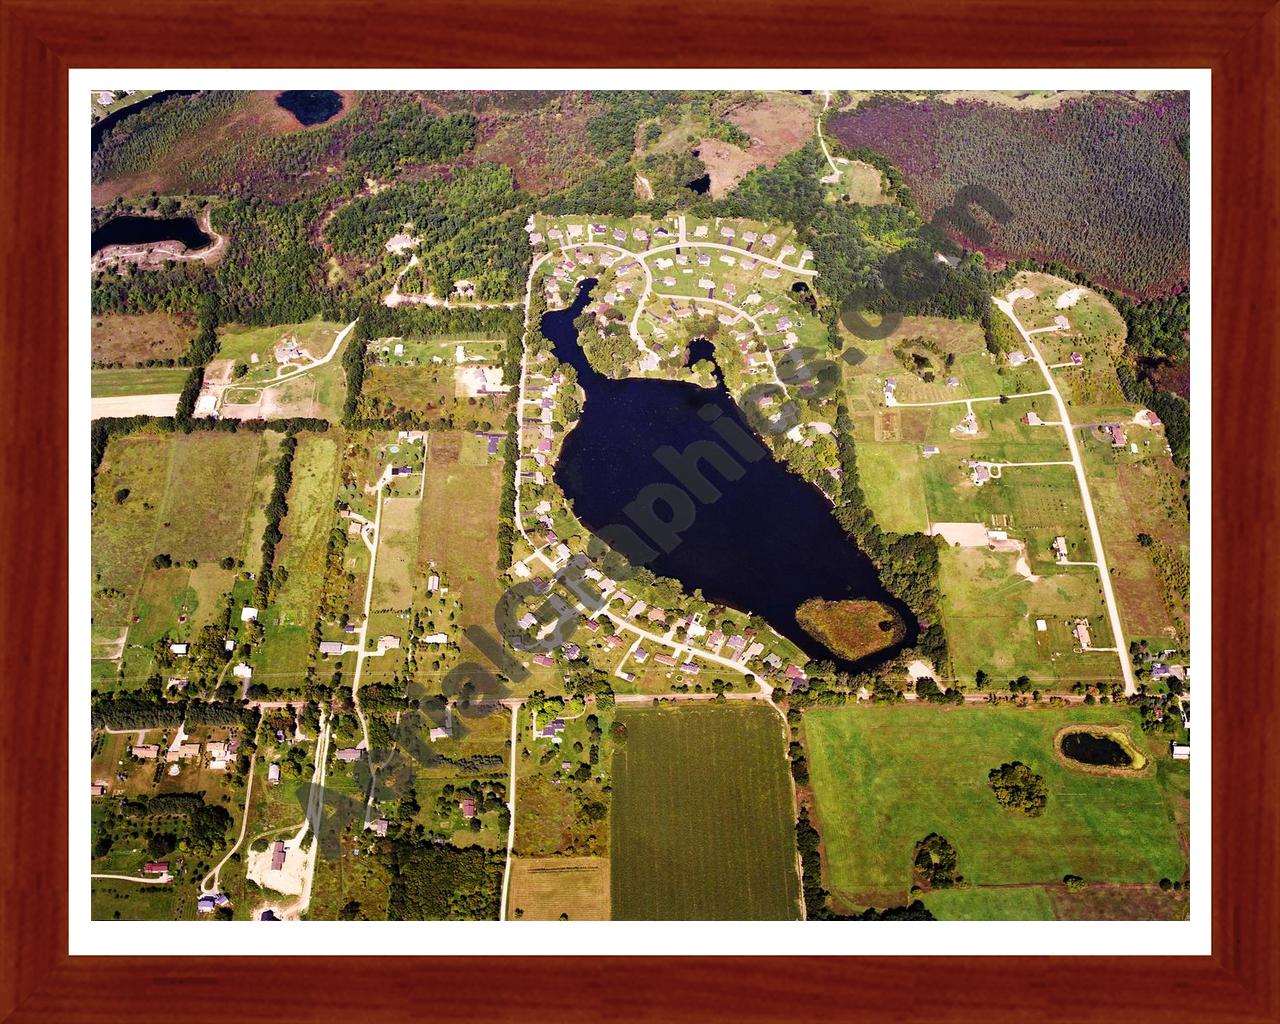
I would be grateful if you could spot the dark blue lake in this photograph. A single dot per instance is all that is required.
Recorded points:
(310, 107)
(134, 230)
(768, 543)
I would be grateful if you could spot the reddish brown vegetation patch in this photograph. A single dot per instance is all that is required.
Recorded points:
(1175, 377)
(778, 125)
(545, 147)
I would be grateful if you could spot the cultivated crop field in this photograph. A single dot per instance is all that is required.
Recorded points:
(702, 823)
(918, 770)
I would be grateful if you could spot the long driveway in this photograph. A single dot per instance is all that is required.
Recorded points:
(1113, 611)
(514, 705)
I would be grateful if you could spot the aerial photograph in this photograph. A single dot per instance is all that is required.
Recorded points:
(691, 505)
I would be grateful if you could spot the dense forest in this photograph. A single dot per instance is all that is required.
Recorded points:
(1099, 183)
(138, 141)
(431, 882)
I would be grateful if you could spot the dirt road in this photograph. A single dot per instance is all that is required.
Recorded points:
(121, 406)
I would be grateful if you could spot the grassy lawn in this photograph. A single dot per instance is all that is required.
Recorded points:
(242, 344)
(544, 888)
(885, 777)
(1029, 496)
(148, 381)
(1030, 903)
(990, 613)
(207, 498)
(891, 478)
(702, 817)
(861, 183)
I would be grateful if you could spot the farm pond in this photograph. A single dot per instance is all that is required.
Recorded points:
(1096, 749)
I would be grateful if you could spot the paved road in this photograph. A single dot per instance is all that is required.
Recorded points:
(1104, 574)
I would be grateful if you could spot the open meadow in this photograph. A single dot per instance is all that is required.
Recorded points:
(545, 888)
(459, 531)
(132, 339)
(917, 770)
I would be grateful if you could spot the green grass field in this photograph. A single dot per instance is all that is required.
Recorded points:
(891, 478)
(459, 531)
(306, 527)
(884, 777)
(146, 381)
(282, 656)
(393, 585)
(134, 901)
(990, 614)
(207, 497)
(123, 528)
(702, 825)
(1031, 903)
(243, 343)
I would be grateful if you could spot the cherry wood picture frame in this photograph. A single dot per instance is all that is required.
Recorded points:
(41, 39)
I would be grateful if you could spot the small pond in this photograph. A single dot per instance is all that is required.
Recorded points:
(699, 349)
(701, 185)
(1095, 749)
(310, 107)
(134, 230)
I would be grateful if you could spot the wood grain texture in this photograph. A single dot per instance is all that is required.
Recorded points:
(40, 41)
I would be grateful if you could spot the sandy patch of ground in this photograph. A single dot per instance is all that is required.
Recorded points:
(1022, 567)
(726, 165)
(1069, 298)
(470, 381)
(289, 879)
(400, 242)
(921, 669)
(134, 405)
(967, 535)
(1019, 293)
